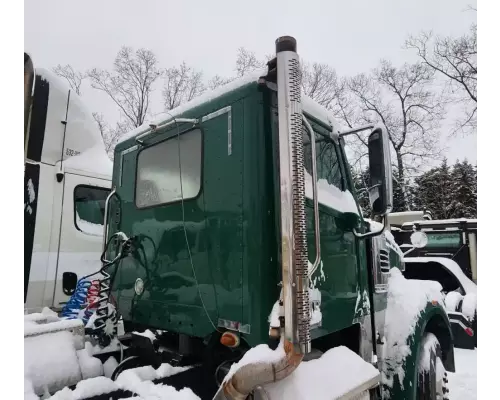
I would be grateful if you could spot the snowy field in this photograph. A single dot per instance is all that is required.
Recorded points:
(463, 383)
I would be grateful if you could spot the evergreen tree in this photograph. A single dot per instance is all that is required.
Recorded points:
(448, 194)
(433, 191)
(464, 192)
(361, 180)
(399, 201)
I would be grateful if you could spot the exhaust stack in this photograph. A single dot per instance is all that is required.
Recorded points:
(296, 333)
(293, 222)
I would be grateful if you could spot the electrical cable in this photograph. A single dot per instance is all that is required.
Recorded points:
(185, 229)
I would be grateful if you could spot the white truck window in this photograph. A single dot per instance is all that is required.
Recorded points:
(89, 209)
(158, 172)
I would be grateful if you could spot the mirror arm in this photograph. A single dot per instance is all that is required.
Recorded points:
(371, 233)
(356, 130)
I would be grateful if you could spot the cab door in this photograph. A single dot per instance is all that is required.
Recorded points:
(81, 229)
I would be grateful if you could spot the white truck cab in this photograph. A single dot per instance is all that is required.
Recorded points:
(67, 177)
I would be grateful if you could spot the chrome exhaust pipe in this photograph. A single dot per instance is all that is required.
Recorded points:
(295, 278)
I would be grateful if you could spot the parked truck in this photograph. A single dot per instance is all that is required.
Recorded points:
(447, 253)
(231, 223)
(67, 178)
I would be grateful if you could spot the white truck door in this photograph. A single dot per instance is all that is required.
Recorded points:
(81, 232)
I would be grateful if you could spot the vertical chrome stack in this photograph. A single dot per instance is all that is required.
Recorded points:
(292, 190)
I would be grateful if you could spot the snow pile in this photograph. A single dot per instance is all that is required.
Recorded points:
(405, 301)
(469, 305)
(29, 391)
(31, 328)
(85, 389)
(148, 373)
(334, 374)
(109, 367)
(89, 366)
(261, 353)
(331, 196)
(51, 361)
(451, 301)
(147, 333)
(136, 380)
(328, 377)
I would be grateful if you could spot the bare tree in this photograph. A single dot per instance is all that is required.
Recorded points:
(456, 60)
(246, 61)
(101, 123)
(182, 84)
(130, 84)
(110, 135)
(320, 82)
(402, 100)
(74, 78)
(218, 81)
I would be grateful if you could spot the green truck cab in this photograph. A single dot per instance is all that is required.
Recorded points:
(233, 225)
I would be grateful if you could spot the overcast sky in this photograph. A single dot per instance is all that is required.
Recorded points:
(352, 36)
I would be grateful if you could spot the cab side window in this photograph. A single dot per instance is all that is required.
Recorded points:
(89, 202)
(327, 159)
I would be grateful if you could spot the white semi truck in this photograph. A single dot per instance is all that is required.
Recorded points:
(67, 177)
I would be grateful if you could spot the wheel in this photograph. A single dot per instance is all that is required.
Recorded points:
(432, 377)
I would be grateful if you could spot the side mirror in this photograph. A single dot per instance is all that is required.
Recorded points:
(380, 184)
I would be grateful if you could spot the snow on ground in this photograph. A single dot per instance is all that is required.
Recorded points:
(137, 380)
(463, 383)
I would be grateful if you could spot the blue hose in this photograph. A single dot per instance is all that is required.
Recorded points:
(77, 301)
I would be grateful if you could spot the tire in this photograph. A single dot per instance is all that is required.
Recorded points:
(432, 377)
(128, 363)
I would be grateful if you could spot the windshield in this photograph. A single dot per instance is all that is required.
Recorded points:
(443, 239)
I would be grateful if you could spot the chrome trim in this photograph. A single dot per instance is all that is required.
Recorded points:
(292, 192)
(106, 210)
(123, 153)
(154, 127)
(315, 196)
(356, 130)
(218, 113)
